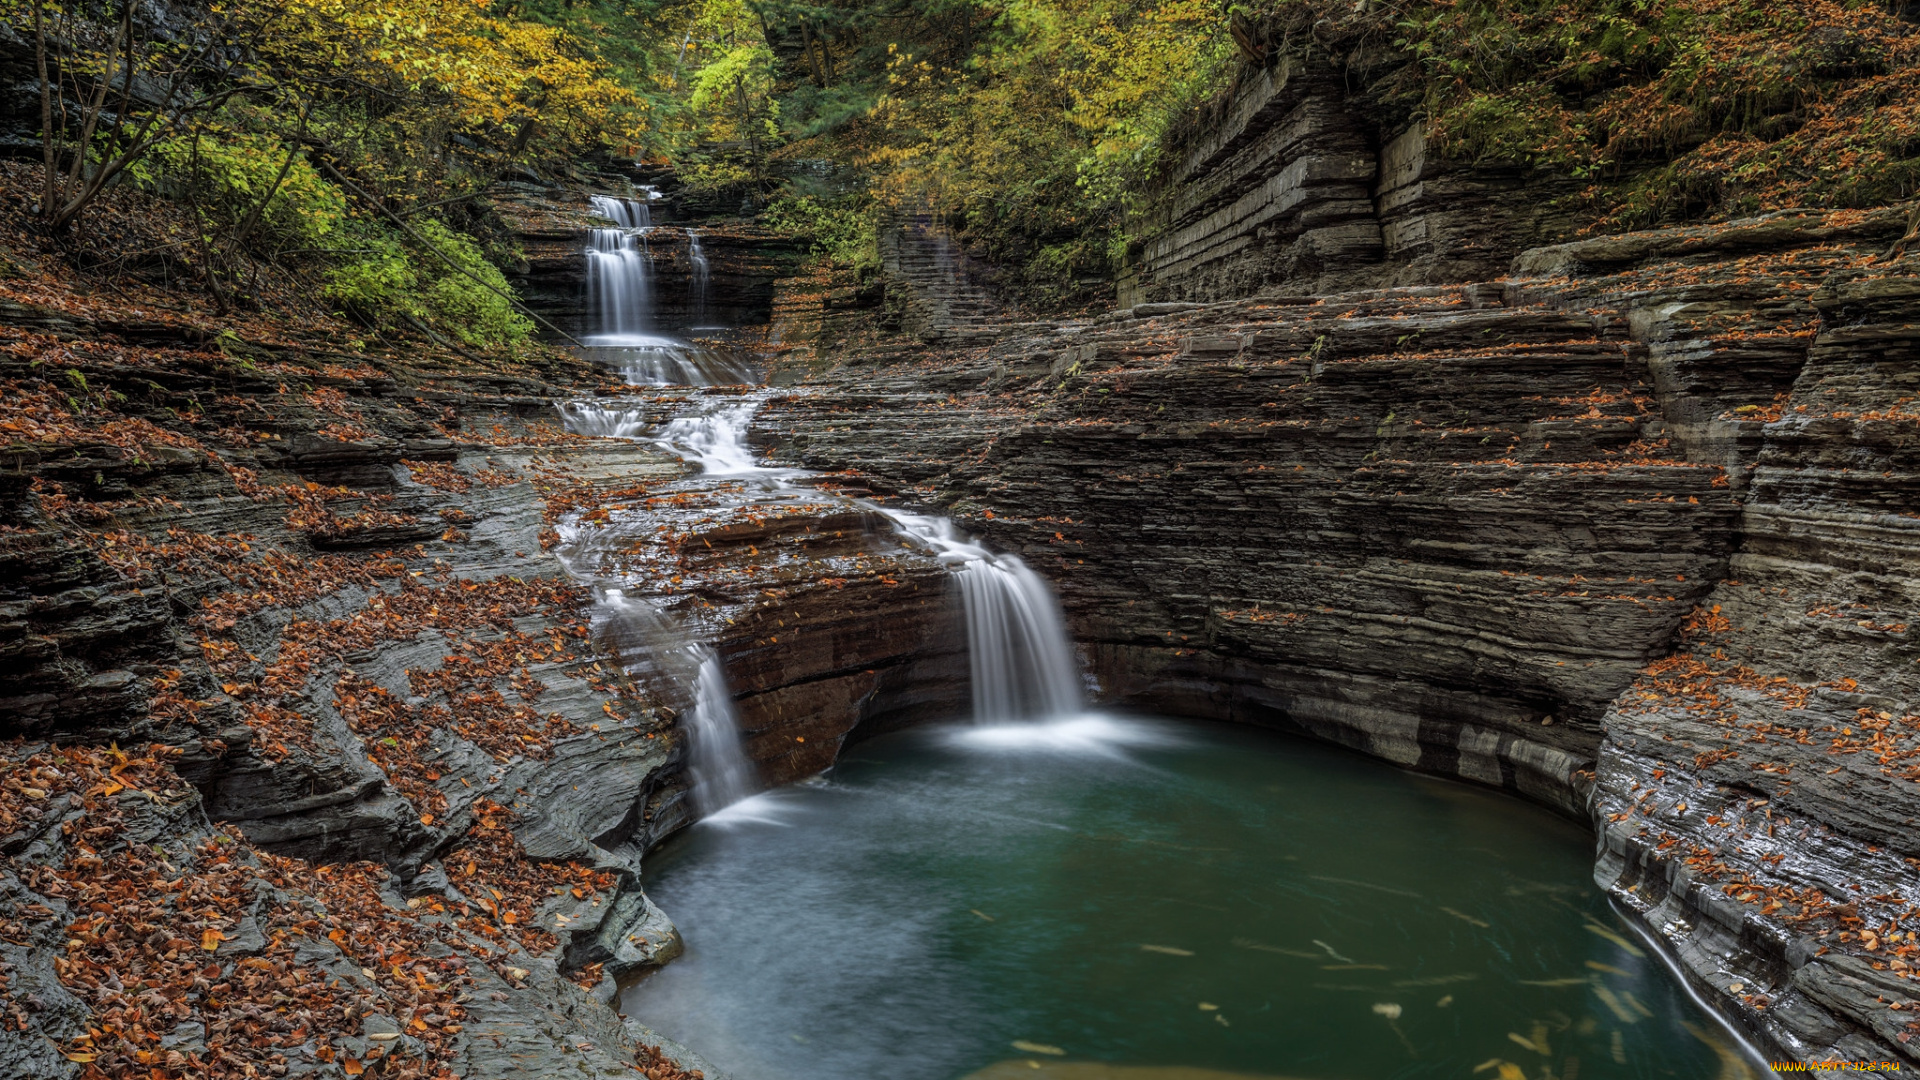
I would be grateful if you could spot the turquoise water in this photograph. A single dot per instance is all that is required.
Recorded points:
(1114, 898)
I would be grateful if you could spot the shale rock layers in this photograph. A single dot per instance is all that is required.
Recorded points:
(1629, 531)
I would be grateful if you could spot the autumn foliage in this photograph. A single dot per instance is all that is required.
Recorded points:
(1670, 109)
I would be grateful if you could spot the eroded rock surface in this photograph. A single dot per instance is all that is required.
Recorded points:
(305, 595)
(1629, 531)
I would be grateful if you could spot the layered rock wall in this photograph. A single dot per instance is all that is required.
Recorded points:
(1295, 188)
(312, 592)
(1627, 532)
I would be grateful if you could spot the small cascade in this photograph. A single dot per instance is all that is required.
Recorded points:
(654, 651)
(648, 644)
(593, 418)
(701, 276)
(1017, 645)
(715, 441)
(722, 773)
(620, 292)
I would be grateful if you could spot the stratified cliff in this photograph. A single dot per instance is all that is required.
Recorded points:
(1628, 530)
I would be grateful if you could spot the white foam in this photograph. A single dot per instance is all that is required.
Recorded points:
(763, 809)
(1091, 734)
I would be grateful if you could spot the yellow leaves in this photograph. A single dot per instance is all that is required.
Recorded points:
(496, 71)
(352, 1067)
(211, 940)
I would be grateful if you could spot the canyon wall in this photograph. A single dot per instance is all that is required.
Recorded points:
(1628, 531)
(1294, 187)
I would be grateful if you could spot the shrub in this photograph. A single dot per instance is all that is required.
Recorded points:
(228, 174)
(842, 231)
(391, 277)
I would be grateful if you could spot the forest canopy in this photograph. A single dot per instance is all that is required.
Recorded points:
(316, 129)
(1039, 128)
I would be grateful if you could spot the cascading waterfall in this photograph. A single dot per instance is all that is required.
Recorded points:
(701, 275)
(722, 772)
(1022, 663)
(1021, 660)
(620, 290)
(649, 644)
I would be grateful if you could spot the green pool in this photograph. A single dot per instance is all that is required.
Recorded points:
(1116, 898)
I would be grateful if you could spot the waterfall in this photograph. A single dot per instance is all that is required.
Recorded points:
(617, 265)
(1021, 659)
(701, 275)
(1022, 662)
(620, 292)
(722, 772)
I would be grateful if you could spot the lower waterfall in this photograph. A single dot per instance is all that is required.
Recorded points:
(1021, 661)
(722, 772)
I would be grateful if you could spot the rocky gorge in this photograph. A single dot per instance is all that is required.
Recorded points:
(310, 629)
(1627, 531)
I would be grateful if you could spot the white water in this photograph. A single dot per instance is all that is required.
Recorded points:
(714, 441)
(1023, 667)
(620, 293)
(701, 275)
(593, 418)
(722, 773)
(652, 647)
(1022, 664)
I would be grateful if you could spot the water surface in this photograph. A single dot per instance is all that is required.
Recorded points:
(1112, 899)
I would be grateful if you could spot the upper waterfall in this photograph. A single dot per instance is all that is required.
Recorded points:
(617, 270)
(620, 292)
